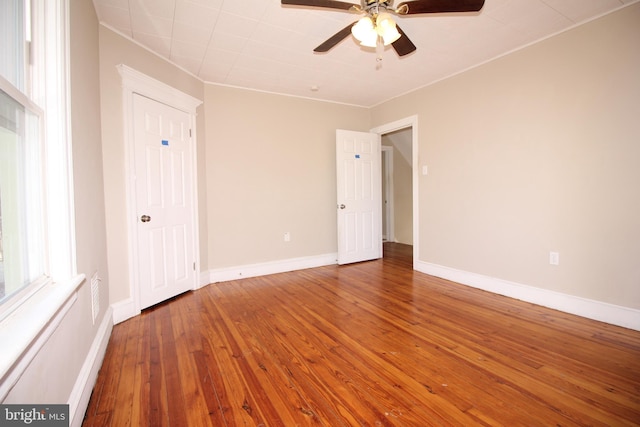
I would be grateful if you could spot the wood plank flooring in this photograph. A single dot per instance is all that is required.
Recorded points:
(368, 344)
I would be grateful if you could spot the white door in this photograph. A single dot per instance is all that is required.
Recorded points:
(359, 196)
(164, 198)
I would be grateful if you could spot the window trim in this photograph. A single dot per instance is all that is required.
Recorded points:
(36, 314)
(14, 93)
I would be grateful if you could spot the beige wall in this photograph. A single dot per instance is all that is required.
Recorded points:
(52, 374)
(271, 169)
(115, 50)
(537, 151)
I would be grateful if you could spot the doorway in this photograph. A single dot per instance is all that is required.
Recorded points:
(397, 202)
(360, 230)
(164, 193)
(145, 265)
(401, 141)
(359, 198)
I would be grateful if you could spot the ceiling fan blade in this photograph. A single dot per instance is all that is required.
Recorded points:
(328, 4)
(439, 6)
(334, 39)
(403, 46)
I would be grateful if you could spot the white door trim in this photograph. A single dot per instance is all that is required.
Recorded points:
(134, 81)
(412, 122)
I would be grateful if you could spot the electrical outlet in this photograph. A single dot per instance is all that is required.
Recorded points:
(554, 258)
(287, 236)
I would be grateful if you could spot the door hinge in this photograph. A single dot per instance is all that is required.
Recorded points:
(194, 266)
(189, 133)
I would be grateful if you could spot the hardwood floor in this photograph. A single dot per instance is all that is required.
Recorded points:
(368, 344)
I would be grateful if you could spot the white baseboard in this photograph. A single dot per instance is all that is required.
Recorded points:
(81, 393)
(204, 278)
(265, 268)
(124, 310)
(591, 309)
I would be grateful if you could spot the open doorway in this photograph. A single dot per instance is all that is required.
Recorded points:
(397, 186)
(399, 158)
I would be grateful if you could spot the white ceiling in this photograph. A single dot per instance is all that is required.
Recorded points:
(262, 45)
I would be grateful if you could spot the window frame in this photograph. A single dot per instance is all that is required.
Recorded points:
(25, 292)
(35, 312)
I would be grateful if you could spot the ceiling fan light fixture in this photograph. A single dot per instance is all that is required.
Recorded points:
(368, 33)
(377, 29)
(386, 28)
(365, 32)
(371, 41)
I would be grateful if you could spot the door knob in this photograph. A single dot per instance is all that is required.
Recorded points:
(145, 218)
(342, 206)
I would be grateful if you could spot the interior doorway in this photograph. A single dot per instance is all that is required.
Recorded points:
(136, 85)
(359, 198)
(397, 196)
(164, 154)
(399, 161)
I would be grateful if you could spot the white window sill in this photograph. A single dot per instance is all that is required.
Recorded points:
(29, 326)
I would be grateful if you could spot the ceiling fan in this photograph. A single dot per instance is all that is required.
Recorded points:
(377, 28)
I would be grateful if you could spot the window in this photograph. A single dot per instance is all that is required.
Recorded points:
(21, 230)
(36, 204)
(35, 194)
(21, 220)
